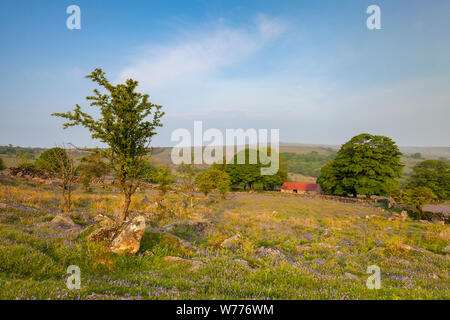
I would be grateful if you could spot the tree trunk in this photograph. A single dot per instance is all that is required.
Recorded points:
(125, 206)
(251, 187)
(69, 198)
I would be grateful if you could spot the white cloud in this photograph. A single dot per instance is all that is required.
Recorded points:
(202, 55)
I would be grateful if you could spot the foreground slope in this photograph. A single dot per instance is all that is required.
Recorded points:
(291, 248)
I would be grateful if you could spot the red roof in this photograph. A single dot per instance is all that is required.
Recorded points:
(300, 186)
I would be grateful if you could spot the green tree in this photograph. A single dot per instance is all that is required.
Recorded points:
(92, 166)
(52, 160)
(222, 183)
(211, 179)
(122, 126)
(204, 181)
(367, 164)
(330, 180)
(434, 174)
(248, 174)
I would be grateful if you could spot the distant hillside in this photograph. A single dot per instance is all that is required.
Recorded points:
(304, 161)
(426, 152)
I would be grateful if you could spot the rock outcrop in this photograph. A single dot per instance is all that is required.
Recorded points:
(122, 238)
(128, 238)
(201, 227)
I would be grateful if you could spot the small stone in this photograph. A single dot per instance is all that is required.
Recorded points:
(148, 253)
(146, 200)
(302, 248)
(350, 276)
(325, 245)
(193, 264)
(264, 252)
(233, 242)
(318, 261)
(242, 261)
(63, 221)
(447, 249)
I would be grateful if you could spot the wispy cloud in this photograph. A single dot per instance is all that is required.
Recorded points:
(202, 55)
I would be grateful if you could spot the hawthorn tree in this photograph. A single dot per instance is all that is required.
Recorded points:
(60, 161)
(367, 164)
(122, 126)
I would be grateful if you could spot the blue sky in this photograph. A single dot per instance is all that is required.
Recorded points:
(309, 68)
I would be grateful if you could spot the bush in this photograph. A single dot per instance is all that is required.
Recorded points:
(148, 172)
(49, 160)
(2, 164)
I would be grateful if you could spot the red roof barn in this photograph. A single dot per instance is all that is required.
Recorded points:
(297, 187)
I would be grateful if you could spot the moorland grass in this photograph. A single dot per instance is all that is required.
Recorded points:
(322, 241)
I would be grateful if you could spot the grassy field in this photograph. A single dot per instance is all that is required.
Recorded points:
(325, 249)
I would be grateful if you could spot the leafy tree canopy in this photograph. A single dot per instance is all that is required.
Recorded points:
(367, 164)
(433, 174)
(50, 160)
(248, 174)
(211, 179)
(122, 125)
